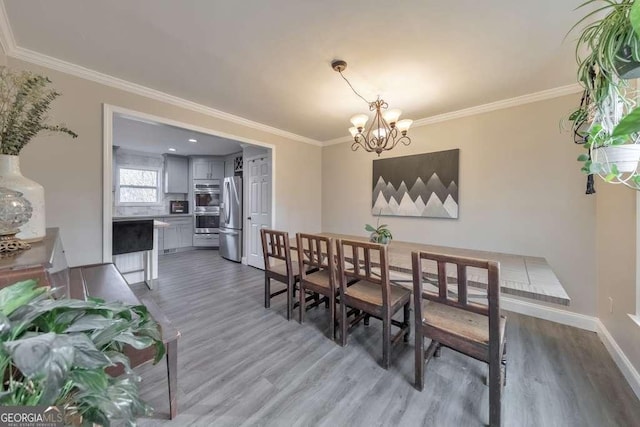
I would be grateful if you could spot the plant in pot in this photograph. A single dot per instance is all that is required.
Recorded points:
(379, 234)
(54, 353)
(25, 100)
(608, 52)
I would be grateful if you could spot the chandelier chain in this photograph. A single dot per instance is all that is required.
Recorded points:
(354, 91)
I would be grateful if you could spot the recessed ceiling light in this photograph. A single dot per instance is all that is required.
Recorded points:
(193, 140)
(172, 149)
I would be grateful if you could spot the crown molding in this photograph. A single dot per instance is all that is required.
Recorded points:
(11, 49)
(484, 108)
(502, 104)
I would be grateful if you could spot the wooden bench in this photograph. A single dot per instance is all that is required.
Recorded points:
(105, 281)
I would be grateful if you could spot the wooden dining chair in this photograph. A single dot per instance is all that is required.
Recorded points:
(316, 261)
(278, 265)
(470, 328)
(372, 294)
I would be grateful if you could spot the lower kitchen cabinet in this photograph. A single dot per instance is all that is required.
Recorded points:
(179, 233)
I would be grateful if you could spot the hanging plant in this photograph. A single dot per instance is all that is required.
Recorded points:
(606, 121)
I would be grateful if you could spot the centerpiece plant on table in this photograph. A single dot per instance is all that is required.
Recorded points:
(379, 234)
(55, 352)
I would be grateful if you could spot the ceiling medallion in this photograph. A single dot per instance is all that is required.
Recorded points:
(385, 130)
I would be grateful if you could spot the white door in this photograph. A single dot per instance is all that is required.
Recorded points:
(259, 201)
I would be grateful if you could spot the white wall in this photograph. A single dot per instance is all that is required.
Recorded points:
(71, 170)
(521, 192)
(617, 265)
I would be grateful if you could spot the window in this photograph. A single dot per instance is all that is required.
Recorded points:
(138, 186)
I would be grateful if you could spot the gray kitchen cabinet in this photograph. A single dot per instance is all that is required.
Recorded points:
(171, 240)
(160, 239)
(208, 168)
(176, 174)
(179, 233)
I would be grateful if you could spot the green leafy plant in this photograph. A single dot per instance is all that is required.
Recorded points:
(54, 352)
(608, 52)
(25, 100)
(610, 43)
(379, 234)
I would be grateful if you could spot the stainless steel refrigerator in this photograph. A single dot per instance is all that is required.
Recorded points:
(231, 219)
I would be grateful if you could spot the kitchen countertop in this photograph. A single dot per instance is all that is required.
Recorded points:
(131, 217)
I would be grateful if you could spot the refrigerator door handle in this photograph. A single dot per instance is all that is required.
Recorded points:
(227, 202)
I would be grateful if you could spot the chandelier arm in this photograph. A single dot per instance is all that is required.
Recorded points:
(354, 91)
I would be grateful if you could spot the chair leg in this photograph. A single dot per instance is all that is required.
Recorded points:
(332, 316)
(437, 352)
(386, 341)
(172, 377)
(366, 319)
(267, 292)
(495, 392)
(344, 325)
(302, 305)
(290, 289)
(419, 355)
(406, 322)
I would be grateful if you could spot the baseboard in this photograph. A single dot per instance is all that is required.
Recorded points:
(624, 364)
(581, 321)
(244, 260)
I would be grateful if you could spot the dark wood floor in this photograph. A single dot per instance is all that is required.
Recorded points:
(243, 365)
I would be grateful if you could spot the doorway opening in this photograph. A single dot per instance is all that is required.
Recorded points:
(155, 167)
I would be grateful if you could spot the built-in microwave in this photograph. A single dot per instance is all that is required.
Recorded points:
(206, 196)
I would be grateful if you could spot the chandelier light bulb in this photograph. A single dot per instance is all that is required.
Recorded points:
(379, 133)
(391, 116)
(404, 125)
(359, 120)
(353, 131)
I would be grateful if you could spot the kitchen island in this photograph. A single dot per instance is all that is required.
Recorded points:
(140, 266)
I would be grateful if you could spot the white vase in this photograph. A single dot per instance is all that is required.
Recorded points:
(11, 178)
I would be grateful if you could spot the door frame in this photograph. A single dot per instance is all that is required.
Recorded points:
(108, 110)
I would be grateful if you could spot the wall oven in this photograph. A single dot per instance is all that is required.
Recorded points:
(206, 195)
(207, 223)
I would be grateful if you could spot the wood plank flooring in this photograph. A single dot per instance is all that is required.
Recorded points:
(243, 365)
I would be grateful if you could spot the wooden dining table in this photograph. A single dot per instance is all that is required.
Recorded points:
(522, 276)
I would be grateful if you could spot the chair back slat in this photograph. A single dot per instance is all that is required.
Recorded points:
(275, 245)
(462, 284)
(355, 261)
(461, 264)
(442, 280)
(315, 252)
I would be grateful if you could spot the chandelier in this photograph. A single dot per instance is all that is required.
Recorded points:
(385, 130)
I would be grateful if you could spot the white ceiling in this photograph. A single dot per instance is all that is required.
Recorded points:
(268, 61)
(150, 137)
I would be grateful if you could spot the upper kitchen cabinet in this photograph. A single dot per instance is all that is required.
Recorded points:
(208, 168)
(233, 165)
(176, 174)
